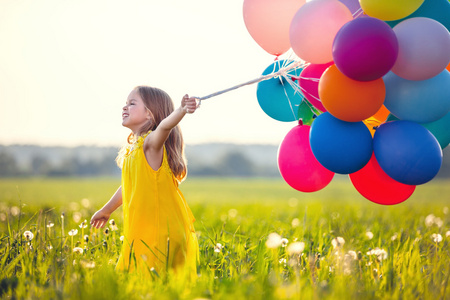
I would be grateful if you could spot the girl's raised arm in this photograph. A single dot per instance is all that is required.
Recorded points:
(156, 139)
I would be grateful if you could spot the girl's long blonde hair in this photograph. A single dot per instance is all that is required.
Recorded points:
(160, 106)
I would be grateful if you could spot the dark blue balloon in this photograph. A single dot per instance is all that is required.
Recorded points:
(438, 10)
(277, 98)
(407, 152)
(341, 147)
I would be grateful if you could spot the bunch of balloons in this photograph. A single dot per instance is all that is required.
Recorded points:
(376, 76)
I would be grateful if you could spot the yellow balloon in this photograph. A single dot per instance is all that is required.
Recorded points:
(389, 10)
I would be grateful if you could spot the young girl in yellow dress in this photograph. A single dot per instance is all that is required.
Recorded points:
(158, 225)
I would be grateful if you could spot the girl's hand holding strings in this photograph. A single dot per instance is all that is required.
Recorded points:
(189, 104)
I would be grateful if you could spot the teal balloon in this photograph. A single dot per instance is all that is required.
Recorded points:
(276, 97)
(421, 101)
(441, 130)
(438, 10)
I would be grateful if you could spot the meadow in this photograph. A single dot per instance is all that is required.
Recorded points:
(259, 239)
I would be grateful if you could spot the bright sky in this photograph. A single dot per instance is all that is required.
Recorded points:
(66, 68)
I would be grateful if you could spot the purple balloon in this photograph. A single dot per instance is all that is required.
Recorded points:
(365, 49)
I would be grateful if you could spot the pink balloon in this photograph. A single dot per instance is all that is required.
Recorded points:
(309, 83)
(297, 164)
(268, 22)
(314, 27)
(375, 185)
(424, 48)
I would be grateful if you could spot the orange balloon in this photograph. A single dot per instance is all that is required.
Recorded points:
(448, 67)
(350, 100)
(377, 119)
(382, 114)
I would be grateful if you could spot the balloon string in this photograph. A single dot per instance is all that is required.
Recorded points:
(282, 72)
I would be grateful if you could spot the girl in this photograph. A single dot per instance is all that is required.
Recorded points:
(158, 224)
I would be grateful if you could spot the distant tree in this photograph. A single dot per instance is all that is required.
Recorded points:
(40, 165)
(8, 165)
(236, 164)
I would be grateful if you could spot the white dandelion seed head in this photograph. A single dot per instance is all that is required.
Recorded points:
(338, 242)
(381, 254)
(284, 242)
(429, 220)
(436, 237)
(218, 247)
(447, 234)
(122, 238)
(50, 224)
(73, 232)
(438, 222)
(296, 248)
(369, 235)
(273, 241)
(28, 235)
(83, 224)
(445, 210)
(352, 254)
(15, 211)
(295, 223)
(87, 264)
(394, 237)
(77, 217)
(78, 250)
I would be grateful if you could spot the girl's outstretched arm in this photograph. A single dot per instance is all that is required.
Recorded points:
(100, 218)
(156, 139)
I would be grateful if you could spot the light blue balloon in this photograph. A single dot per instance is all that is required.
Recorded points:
(441, 130)
(422, 101)
(276, 97)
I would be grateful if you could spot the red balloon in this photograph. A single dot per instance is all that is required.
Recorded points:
(375, 185)
(297, 164)
(309, 83)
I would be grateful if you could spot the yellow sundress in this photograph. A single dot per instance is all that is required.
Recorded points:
(159, 234)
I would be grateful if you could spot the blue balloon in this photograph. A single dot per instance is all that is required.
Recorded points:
(438, 10)
(277, 98)
(407, 152)
(341, 147)
(420, 101)
(441, 130)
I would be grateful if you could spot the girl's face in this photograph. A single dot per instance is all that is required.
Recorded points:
(134, 114)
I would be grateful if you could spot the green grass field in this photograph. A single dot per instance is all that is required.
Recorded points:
(347, 247)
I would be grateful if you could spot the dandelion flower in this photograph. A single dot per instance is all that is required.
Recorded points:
(429, 220)
(381, 254)
(218, 247)
(394, 237)
(28, 235)
(73, 232)
(447, 234)
(436, 237)
(78, 250)
(284, 242)
(112, 225)
(15, 211)
(338, 242)
(106, 231)
(369, 235)
(122, 238)
(296, 248)
(352, 254)
(50, 224)
(62, 215)
(83, 224)
(273, 241)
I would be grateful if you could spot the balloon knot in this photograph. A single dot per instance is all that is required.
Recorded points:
(293, 78)
(300, 122)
